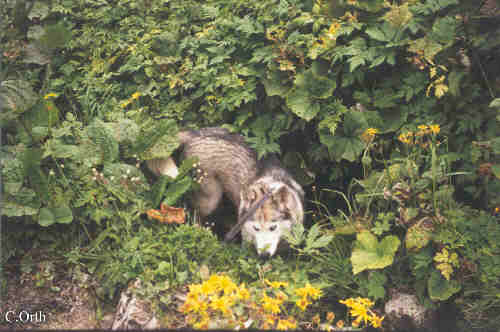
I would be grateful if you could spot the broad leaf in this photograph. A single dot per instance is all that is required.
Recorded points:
(302, 105)
(369, 253)
(441, 289)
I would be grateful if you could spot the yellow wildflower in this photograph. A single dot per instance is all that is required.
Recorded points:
(360, 312)
(406, 138)
(440, 90)
(276, 284)
(302, 303)
(136, 95)
(125, 103)
(208, 288)
(309, 290)
(334, 27)
(242, 293)
(285, 324)
(365, 302)
(330, 316)
(435, 129)
(222, 304)
(377, 321)
(271, 304)
(369, 134)
(340, 324)
(49, 95)
(349, 302)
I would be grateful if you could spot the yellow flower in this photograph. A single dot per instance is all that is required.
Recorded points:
(369, 134)
(302, 303)
(340, 324)
(406, 138)
(222, 304)
(435, 129)
(333, 28)
(271, 304)
(276, 284)
(49, 95)
(314, 293)
(349, 302)
(330, 316)
(377, 321)
(360, 312)
(285, 324)
(365, 302)
(242, 293)
(208, 288)
(440, 90)
(136, 95)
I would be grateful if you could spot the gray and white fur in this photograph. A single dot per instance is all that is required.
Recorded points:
(230, 166)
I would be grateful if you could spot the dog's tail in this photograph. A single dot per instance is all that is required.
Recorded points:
(167, 166)
(160, 166)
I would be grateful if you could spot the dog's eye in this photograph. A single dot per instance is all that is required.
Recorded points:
(273, 228)
(256, 228)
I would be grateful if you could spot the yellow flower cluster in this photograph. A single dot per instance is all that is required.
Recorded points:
(50, 95)
(411, 138)
(304, 294)
(360, 309)
(129, 101)
(219, 303)
(369, 134)
(217, 294)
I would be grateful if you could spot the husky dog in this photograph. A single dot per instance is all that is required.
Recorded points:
(266, 197)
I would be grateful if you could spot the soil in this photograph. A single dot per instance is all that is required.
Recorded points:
(46, 297)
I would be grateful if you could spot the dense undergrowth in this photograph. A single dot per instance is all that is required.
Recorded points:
(385, 109)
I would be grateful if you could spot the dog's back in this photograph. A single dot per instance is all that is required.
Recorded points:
(225, 162)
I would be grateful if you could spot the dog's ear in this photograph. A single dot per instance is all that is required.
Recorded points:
(289, 201)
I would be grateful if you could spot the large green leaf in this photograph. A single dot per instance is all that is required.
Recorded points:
(274, 84)
(25, 203)
(418, 236)
(369, 253)
(301, 104)
(316, 86)
(50, 216)
(441, 289)
(103, 138)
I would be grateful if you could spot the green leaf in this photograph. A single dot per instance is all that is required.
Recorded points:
(417, 236)
(496, 170)
(24, 203)
(369, 253)
(296, 236)
(441, 289)
(63, 214)
(176, 190)
(102, 137)
(495, 103)
(319, 87)
(158, 139)
(301, 104)
(49, 216)
(375, 285)
(46, 217)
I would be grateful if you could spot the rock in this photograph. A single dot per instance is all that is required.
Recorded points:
(405, 313)
(133, 312)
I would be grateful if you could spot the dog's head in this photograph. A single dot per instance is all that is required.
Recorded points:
(279, 206)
